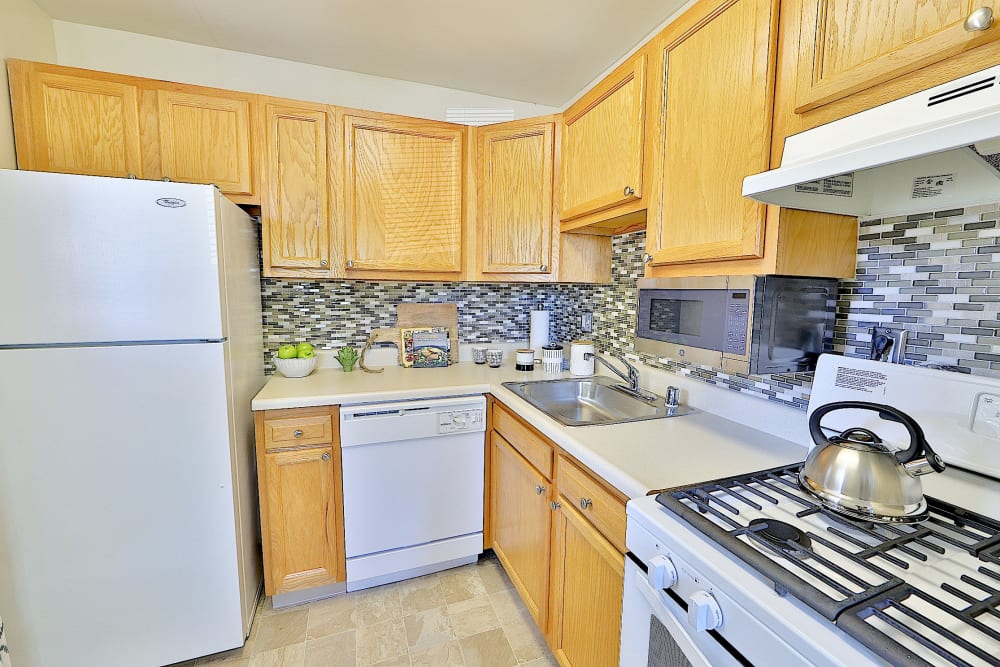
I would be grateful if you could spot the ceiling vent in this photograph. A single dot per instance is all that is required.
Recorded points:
(472, 116)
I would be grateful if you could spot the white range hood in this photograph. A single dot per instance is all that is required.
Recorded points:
(923, 152)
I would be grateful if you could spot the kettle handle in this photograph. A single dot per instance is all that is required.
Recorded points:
(918, 441)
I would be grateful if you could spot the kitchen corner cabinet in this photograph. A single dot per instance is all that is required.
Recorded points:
(402, 195)
(717, 64)
(74, 121)
(301, 498)
(296, 190)
(516, 220)
(207, 139)
(603, 148)
(847, 46)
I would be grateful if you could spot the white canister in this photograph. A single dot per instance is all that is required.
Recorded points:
(577, 364)
(552, 358)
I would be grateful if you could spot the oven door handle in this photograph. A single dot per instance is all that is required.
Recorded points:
(677, 631)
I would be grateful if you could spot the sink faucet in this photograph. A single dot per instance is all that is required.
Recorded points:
(633, 388)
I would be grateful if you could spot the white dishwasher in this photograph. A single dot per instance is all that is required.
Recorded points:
(413, 487)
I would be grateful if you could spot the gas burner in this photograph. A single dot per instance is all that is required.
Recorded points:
(786, 537)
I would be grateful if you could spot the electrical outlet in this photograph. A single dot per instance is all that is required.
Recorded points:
(896, 352)
(587, 322)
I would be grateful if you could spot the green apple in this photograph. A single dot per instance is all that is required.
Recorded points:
(287, 352)
(304, 346)
(304, 353)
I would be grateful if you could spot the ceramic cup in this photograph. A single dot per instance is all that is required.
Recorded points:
(479, 355)
(494, 357)
(524, 359)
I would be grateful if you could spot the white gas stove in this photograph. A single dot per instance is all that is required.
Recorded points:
(751, 570)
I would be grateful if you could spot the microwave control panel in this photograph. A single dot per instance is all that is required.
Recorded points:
(737, 321)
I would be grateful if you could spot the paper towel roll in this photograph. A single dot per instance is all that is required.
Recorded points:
(538, 334)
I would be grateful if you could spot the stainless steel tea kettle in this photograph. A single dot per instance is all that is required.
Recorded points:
(856, 474)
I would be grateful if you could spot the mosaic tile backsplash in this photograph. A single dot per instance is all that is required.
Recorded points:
(936, 274)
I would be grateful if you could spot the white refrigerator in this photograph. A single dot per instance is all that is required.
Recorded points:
(130, 348)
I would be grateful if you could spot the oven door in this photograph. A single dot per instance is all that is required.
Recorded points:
(655, 630)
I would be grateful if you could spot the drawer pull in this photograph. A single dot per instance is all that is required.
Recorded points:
(297, 433)
(979, 20)
(585, 503)
(539, 489)
(555, 504)
(326, 456)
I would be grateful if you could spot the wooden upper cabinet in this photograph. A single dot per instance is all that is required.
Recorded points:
(206, 139)
(715, 131)
(516, 220)
(295, 197)
(74, 124)
(403, 205)
(847, 46)
(603, 143)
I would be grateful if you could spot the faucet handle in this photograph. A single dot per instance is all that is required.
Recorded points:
(673, 397)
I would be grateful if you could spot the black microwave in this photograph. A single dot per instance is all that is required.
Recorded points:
(754, 325)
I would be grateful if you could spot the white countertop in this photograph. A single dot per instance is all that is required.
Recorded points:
(635, 458)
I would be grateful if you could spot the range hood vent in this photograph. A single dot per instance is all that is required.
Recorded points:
(934, 150)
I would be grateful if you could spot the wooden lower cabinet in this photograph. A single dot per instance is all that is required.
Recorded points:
(586, 604)
(301, 499)
(520, 519)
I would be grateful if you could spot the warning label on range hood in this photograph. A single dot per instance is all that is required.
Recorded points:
(932, 186)
(838, 186)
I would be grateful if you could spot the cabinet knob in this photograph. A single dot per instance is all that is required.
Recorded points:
(539, 489)
(166, 179)
(131, 176)
(543, 267)
(585, 503)
(350, 263)
(555, 504)
(979, 20)
(629, 191)
(326, 456)
(323, 262)
(647, 258)
(297, 433)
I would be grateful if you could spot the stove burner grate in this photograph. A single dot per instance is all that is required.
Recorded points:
(851, 584)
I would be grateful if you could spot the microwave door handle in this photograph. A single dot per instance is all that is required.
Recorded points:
(774, 322)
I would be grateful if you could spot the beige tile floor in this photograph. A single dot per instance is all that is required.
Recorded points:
(466, 617)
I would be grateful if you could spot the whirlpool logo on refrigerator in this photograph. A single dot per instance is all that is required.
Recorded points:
(170, 202)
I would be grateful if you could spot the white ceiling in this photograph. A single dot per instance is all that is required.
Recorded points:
(542, 51)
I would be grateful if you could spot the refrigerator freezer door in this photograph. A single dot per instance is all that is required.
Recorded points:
(116, 505)
(90, 259)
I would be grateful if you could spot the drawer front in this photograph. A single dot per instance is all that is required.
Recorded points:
(296, 431)
(597, 504)
(528, 444)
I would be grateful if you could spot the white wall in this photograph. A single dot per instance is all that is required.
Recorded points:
(25, 32)
(140, 55)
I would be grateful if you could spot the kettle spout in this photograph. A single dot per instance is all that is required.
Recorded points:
(923, 466)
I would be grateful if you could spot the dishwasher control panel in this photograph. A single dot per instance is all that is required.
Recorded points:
(459, 421)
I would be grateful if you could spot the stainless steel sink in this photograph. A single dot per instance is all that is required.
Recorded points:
(590, 400)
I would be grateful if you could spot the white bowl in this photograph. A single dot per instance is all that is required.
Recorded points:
(295, 368)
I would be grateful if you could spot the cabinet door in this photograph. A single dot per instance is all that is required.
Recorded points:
(295, 212)
(587, 579)
(300, 497)
(603, 142)
(715, 132)
(76, 125)
(402, 195)
(515, 214)
(521, 518)
(847, 46)
(206, 139)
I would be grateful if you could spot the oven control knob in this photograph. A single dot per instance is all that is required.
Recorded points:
(661, 574)
(704, 612)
